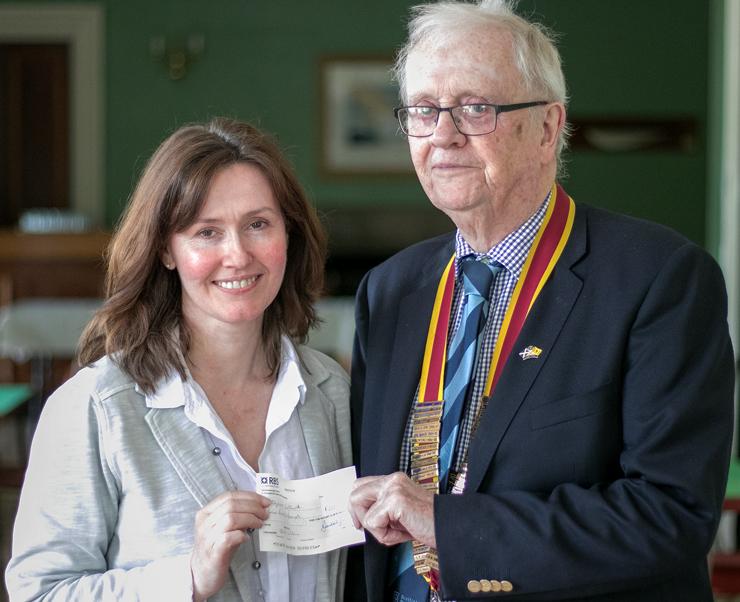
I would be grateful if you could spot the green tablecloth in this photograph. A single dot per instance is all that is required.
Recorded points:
(11, 396)
(733, 481)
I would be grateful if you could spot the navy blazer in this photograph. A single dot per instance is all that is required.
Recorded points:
(599, 468)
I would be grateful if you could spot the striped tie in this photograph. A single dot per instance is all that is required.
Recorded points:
(477, 277)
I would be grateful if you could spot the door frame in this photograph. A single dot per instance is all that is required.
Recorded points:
(81, 26)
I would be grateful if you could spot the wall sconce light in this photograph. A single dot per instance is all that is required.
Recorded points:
(178, 55)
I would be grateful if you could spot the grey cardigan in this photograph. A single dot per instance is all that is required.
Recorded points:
(109, 500)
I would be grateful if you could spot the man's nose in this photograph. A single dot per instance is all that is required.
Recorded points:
(446, 132)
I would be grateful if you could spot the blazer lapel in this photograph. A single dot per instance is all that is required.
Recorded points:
(544, 323)
(409, 339)
(317, 423)
(182, 443)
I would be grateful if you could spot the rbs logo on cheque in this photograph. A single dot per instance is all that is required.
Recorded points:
(274, 481)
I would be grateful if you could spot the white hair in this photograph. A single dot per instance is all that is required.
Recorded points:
(533, 45)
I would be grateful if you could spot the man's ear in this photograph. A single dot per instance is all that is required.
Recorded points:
(552, 126)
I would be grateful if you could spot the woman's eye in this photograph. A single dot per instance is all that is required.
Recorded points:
(206, 233)
(257, 225)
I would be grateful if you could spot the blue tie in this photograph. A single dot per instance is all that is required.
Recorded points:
(477, 277)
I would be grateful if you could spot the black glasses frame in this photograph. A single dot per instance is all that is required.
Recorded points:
(497, 109)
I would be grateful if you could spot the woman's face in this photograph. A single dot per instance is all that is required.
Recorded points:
(231, 260)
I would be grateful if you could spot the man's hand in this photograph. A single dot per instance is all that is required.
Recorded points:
(393, 509)
(220, 528)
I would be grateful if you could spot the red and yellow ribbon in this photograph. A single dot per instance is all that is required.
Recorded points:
(546, 249)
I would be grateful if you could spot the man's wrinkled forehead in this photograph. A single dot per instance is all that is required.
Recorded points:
(482, 65)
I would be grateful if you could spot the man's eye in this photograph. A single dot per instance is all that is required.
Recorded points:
(476, 110)
(422, 112)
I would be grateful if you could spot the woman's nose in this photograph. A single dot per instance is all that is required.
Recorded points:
(237, 251)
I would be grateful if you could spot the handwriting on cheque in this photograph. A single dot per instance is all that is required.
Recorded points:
(308, 516)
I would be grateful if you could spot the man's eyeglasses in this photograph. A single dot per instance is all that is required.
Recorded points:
(471, 120)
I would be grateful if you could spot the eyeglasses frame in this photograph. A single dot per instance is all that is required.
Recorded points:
(497, 109)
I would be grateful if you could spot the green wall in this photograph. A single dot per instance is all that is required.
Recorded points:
(627, 58)
(638, 59)
(261, 64)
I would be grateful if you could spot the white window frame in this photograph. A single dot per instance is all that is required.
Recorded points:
(729, 247)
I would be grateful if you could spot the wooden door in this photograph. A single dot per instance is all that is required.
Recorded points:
(34, 129)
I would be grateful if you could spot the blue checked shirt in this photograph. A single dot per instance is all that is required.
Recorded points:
(511, 253)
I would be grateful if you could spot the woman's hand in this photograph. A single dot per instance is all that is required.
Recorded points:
(220, 529)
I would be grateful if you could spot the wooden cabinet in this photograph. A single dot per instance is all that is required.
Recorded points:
(51, 264)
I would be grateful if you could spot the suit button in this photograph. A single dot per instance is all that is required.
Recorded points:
(474, 586)
(485, 585)
(506, 586)
(495, 585)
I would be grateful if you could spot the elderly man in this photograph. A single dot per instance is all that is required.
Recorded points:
(543, 399)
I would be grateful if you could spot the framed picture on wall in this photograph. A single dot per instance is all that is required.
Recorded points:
(359, 133)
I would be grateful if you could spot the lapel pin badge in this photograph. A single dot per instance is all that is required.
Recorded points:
(530, 352)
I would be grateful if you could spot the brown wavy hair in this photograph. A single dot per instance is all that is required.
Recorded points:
(142, 309)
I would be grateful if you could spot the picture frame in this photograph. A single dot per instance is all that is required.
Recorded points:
(359, 133)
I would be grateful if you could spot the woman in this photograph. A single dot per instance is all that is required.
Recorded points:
(141, 478)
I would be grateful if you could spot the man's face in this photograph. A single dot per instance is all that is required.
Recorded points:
(501, 170)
